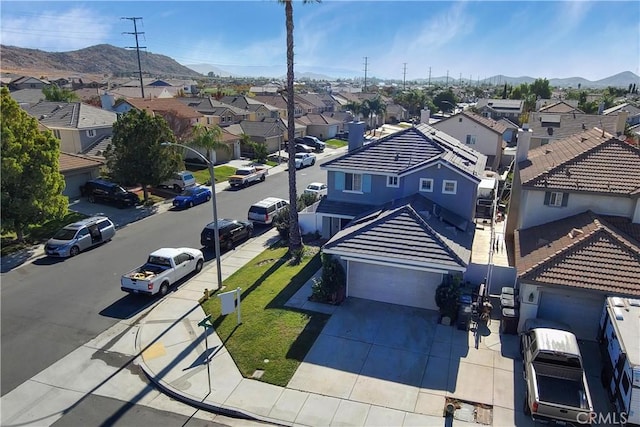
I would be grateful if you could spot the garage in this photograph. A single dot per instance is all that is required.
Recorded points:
(73, 183)
(581, 312)
(414, 288)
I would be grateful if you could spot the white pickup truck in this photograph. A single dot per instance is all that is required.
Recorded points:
(247, 175)
(162, 270)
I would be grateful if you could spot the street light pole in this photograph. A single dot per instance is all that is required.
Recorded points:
(216, 235)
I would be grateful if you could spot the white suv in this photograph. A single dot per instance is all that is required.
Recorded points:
(179, 181)
(264, 211)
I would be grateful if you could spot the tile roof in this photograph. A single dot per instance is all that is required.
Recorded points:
(150, 92)
(318, 119)
(71, 162)
(404, 233)
(336, 208)
(99, 147)
(558, 126)
(493, 125)
(586, 251)
(501, 104)
(71, 115)
(559, 107)
(27, 96)
(164, 105)
(588, 162)
(630, 108)
(407, 150)
(212, 106)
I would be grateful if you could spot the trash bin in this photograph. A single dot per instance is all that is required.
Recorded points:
(509, 322)
(464, 316)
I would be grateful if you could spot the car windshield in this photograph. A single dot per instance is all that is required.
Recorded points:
(118, 189)
(243, 172)
(189, 192)
(313, 187)
(65, 234)
(300, 155)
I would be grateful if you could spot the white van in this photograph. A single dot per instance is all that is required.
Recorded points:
(264, 211)
(179, 181)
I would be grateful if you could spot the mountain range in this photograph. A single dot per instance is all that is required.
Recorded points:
(105, 59)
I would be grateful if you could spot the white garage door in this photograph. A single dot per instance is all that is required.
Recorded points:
(573, 308)
(393, 285)
(73, 183)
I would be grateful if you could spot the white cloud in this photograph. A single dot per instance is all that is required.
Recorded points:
(54, 31)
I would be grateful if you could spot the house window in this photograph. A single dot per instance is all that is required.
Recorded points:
(208, 120)
(222, 119)
(426, 184)
(556, 199)
(449, 187)
(392, 181)
(352, 182)
(471, 139)
(544, 141)
(91, 133)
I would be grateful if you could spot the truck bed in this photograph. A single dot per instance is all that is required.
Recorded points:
(559, 385)
(146, 272)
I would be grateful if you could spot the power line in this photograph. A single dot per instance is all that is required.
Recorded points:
(136, 33)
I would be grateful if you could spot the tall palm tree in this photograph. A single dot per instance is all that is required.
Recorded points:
(354, 107)
(374, 107)
(295, 238)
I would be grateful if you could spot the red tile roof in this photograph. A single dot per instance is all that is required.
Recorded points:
(591, 161)
(587, 250)
(70, 162)
(487, 122)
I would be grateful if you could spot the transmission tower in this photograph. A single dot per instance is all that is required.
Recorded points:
(137, 48)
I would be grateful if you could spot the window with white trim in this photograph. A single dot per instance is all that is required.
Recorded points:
(91, 133)
(392, 181)
(449, 187)
(426, 184)
(555, 199)
(471, 140)
(353, 182)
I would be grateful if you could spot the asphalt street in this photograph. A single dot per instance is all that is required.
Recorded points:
(51, 307)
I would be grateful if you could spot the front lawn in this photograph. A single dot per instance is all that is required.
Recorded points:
(37, 233)
(271, 338)
(220, 173)
(336, 143)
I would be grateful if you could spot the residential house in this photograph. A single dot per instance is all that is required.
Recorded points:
(317, 104)
(574, 216)
(501, 108)
(483, 134)
(28, 82)
(77, 170)
(78, 126)
(395, 113)
(216, 112)
(556, 106)
(267, 132)
(278, 101)
(549, 127)
(256, 109)
(267, 89)
(322, 126)
(633, 112)
(399, 213)
(27, 96)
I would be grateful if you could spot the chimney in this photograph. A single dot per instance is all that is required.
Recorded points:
(425, 114)
(107, 101)
(524, 141)
(356, 135)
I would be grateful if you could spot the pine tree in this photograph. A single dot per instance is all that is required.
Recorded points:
(31, 181)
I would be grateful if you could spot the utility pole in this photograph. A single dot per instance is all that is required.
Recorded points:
(365, 73)
(429, 76)
(135, 33)
(447, 78)
(404, 77)
(460, 79)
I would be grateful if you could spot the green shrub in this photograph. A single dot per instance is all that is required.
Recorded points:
(448, 295)
(331, 286)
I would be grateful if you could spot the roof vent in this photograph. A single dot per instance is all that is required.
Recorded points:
(397, 156)
(433, 132)
(634, 302)
(550, 131)
(617, 302)
(618, 313)
(584, 127)
(575, 232)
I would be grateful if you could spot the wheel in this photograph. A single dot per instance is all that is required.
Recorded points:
(527, 410)
(199, 266)
(262, 178)
(208, 197)
(74, 251)
(313, 162)
(190, 204)
(177, 188)
(92, 199)
(164, 288)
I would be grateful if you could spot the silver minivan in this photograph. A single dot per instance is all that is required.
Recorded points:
(79, 236)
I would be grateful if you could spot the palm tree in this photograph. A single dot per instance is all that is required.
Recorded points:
(295, 238)
(354, 107)
(376, 108)
(209, 139)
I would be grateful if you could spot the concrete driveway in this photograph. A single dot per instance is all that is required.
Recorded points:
(400, 358)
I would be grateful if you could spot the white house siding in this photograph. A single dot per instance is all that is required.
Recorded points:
(73, 181)
(534, 212)
(394, 285)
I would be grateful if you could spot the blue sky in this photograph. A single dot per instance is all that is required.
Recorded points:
(472, 39)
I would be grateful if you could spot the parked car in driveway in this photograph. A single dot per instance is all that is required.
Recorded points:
(318, 189)
(100, 190)
(179, 181)
(230, 231)
(81, 235)
(191, 197)
(305, 159)
(302, 148)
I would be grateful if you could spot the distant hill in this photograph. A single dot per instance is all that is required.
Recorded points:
(618, 80)
(205, 69)
(100, 59)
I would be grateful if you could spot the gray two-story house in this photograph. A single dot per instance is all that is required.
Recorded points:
(399, 213)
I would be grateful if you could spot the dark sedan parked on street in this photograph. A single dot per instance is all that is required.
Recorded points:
(192, 196)
(231, 232)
